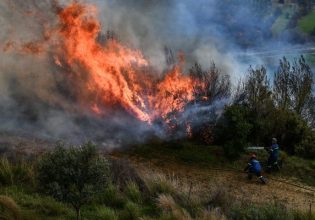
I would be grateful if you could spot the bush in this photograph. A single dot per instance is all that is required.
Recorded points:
(73, 175)
(131, 212)
(9, 209)
(232, 130)
(133, 193)
(112, 197)
(107, 214)
(6, 172)
(100, 213)
(15, 173)
(306, 148)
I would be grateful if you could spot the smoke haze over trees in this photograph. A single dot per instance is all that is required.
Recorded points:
(39, 97)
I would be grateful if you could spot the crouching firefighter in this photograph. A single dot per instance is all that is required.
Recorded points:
(273, 156)
(254, 168)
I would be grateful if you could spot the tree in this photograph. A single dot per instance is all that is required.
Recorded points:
(292, 87)
(232, 130)
(257, 89)
(310, 114)
(301, 84)
(73, 174)
(216, 85)
(281, 85)
(255, 93)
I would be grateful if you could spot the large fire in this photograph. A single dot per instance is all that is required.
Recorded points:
(113, 73)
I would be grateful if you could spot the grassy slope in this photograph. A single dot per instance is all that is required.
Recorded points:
(199, 157)
(202, 156)
(307, 23)
(34, 206)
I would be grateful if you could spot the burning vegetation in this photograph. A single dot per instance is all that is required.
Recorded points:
(113, 74)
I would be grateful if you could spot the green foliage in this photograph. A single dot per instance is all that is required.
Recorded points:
(112, 197)
(306, 24)
(133, 193)
(107, 214)
(285, 111)
(232, 130)
(131, 211)
(96, 212)
(73, 175)
(15, 173)
(34, 206)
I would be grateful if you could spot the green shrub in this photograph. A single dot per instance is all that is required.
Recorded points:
(232, 130)
(112, 197)
(106, 213)
(306, 148)
(73, 175)
(131, 212)
(99, 213)
(133, 193)
(6, 172)
(16, 173)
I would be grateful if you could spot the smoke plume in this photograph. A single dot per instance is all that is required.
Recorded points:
(53, 57)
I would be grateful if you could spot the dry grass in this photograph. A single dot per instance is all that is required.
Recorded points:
(180, 198)
(9, 209)
(170, 207)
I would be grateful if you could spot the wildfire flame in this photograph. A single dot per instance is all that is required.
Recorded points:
(112, 72)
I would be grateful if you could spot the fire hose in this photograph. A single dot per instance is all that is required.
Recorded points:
(270, 178)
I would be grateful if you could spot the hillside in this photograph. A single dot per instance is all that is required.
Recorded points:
(166, 186)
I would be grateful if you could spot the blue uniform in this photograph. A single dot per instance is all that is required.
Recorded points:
(254, 166)
(273, 154)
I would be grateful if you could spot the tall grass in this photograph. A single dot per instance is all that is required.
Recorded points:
(31, 202)
(131, 211)
(16, 173)
(133, 193)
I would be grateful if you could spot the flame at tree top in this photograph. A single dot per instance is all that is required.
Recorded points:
(112, 73)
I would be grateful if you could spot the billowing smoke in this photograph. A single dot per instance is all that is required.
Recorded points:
(43, 77)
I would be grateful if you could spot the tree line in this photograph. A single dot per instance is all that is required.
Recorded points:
(263, 106)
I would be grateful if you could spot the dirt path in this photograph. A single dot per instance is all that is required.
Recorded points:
(235, 183)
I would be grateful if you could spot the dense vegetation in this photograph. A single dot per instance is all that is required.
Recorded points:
(263, 106)
(261, 110)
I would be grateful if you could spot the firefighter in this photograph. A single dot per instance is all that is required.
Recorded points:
(273, 151)
(254, 167)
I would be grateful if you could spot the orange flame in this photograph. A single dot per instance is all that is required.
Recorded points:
(111, 73)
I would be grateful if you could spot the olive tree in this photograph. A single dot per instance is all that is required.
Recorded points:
(73, 174)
